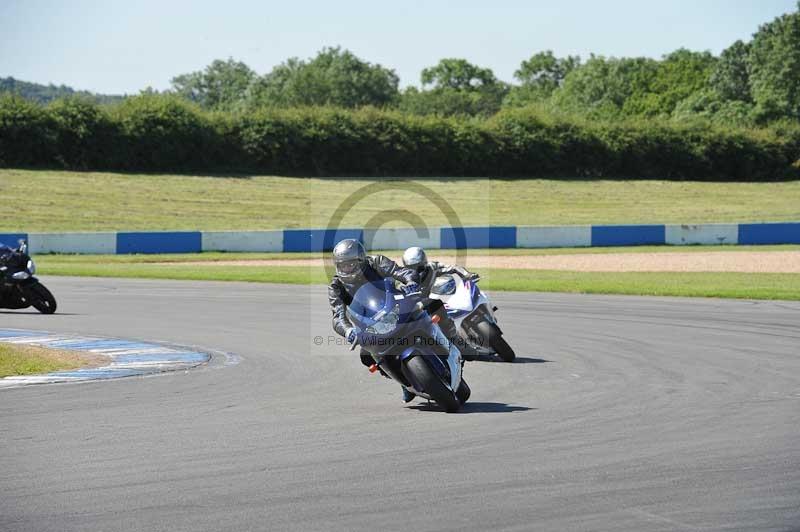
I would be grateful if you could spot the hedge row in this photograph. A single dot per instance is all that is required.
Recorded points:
(162, 133)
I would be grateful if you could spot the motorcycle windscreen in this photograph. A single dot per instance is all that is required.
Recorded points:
(370, 302)
(444, 285)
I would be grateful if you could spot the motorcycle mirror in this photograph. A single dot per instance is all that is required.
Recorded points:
(23, 246)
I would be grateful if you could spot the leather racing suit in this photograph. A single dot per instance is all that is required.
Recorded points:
(341, 292)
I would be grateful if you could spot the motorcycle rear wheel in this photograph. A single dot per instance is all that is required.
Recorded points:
(432, 384)
(41, 298)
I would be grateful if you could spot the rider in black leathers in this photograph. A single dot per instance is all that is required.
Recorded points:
(416, 259)
(345, 284)
(354, 268)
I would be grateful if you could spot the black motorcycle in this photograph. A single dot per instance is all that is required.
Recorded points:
(19, 288)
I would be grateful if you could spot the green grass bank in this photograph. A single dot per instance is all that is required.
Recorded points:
(91, 201)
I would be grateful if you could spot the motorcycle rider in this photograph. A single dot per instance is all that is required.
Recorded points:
(355, 268)
(5, 252)
(415, 258)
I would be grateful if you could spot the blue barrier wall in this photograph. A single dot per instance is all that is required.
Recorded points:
(166, 242)
(628, 235)
(769, 233)
(478, 237)
(10, 239)
(317, 240)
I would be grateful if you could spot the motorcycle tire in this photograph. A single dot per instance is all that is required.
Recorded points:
(492, 336)
(463, 392)
(432, 384)
(41, 298)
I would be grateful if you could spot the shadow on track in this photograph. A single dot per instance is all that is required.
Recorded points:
(24, 312)
(518, 360)
(473, 408)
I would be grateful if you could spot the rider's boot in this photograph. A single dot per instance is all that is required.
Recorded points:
(448, 327)
(366, 358)
(407, 396)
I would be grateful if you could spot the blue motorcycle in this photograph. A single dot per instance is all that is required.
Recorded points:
(407, 345)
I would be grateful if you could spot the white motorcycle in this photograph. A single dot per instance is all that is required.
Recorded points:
(473, 314)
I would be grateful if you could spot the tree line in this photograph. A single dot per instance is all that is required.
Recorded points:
(165, 133)
(44, 94)
(690, 115)
(749, 84)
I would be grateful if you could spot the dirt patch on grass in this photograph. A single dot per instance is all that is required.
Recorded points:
(712, 261)
(745, 262)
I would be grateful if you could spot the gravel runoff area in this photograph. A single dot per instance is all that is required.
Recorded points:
(712, 261)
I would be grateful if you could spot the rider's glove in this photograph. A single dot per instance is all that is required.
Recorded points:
(411, 288)
(351, 335)
(474, 277)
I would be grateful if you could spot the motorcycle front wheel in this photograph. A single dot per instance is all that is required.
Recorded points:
(463, 392)
(432, 384)
(41, 298)
(492, 336)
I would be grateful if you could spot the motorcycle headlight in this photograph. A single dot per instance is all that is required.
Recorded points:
(386, 323)
(444, 286)
(20, 276)
(31, 267)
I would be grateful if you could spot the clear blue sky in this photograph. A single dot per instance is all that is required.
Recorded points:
(117, 46)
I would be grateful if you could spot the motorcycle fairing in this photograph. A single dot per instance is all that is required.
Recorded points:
(371, 304)
(453, 367)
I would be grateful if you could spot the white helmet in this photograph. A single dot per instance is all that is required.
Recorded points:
(415, 258)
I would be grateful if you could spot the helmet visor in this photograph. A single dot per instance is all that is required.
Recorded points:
(348, 267)
(418, 268)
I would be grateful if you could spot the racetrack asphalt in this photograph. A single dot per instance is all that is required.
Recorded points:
(623, 414)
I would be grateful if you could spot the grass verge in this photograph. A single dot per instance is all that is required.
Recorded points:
(28, 360)
(728, 285)
(47, 200)
(784, 286)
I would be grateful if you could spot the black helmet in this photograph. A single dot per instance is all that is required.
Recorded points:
(415, 258)
(349, 257)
